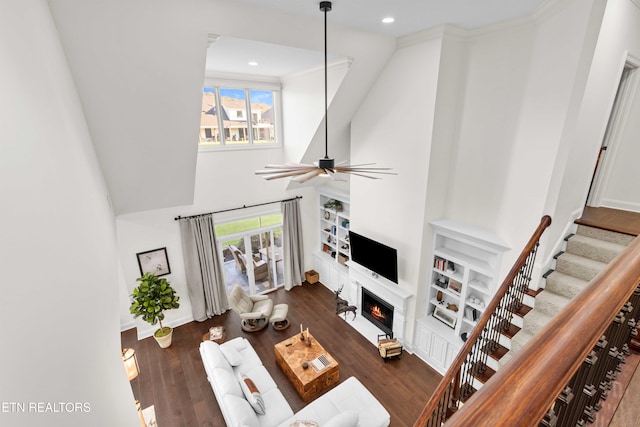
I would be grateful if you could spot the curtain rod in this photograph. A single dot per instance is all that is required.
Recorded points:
(235, 209)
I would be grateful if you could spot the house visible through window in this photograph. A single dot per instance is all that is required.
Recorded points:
(227, 109)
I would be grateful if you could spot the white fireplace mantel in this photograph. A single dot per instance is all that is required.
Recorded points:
(360, 277)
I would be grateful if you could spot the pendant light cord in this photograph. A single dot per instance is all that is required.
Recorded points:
(326, 108)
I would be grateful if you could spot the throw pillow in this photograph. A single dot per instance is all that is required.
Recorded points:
(253, 395)
(343, 419)
(231, 354)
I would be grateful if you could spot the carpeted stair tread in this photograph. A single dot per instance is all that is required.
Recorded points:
(517, 342)
(580, 267)
(608, 236)
(550, 303)
(535, 321)
(586, 254)
(595, 249)
(565, 285)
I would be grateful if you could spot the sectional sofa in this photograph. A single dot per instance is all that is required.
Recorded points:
(248, 396)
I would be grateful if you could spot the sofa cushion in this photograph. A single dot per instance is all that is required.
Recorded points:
(349, 395)
(250, 358)
(213, 357)
(225, 382)
(239, 412)
(278, 408)
(343, 419)
(260, 377)
(252, 394)
(232, 355)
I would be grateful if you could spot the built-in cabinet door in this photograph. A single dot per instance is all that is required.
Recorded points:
(423, 341)
(438, 351)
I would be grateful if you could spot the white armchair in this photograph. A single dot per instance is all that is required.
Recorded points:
(254, 310)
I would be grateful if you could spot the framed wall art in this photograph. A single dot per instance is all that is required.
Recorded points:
(154, 261)
(455, 286)
(445, 316)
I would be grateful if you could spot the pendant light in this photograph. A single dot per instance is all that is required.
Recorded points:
(326, 166)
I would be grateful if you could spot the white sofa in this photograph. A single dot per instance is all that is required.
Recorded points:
(228, 364)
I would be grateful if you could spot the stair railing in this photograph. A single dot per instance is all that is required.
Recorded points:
(457, 384)
(527, 389)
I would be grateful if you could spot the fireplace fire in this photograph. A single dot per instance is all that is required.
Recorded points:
(377, 311)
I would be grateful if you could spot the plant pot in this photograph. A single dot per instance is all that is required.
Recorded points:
(164, 341)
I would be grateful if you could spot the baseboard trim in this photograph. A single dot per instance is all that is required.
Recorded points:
(148, 332)
(620, 204)
(127, 326)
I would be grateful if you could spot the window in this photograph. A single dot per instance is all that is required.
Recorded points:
(252, 252)
(229, 108)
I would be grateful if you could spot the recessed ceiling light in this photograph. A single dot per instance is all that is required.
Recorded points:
(388, 20)
(253, 63)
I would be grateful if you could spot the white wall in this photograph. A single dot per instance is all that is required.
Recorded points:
(224, 180)
(617, 36)
(514, 110)
(393, 127)
(618, 42)
(561, 51)
(497, 67)
(624, 154)
(60, 295)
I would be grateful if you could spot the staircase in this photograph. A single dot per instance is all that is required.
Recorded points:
(586, 253)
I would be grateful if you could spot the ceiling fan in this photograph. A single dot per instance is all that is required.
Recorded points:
(326, 166)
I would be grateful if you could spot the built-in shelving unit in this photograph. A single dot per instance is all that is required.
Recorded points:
(334, 228)
(333, 251)
(464, 269)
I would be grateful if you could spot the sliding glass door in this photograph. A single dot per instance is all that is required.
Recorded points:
(252, 253)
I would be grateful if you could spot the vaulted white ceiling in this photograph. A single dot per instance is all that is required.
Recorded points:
(410, 15)
(232, 55)
(139, 66)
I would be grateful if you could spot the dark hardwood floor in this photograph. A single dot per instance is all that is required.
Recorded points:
(620, 221)
(174, 380)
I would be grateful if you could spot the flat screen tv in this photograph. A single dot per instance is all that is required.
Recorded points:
(375, 256)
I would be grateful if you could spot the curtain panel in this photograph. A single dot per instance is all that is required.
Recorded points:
(203, 267)
(292, 244)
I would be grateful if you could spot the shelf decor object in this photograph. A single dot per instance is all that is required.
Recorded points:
(445, 316)
(325, 166)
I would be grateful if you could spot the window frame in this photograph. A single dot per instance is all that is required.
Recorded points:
(274, 86)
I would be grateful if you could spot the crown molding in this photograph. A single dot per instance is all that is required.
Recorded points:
(211, 39)
(336, 65)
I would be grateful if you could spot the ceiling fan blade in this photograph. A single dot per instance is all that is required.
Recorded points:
(302, 178)
(362, 175)
(353, 166)
(335, 176)
(289, 166)
(283, 174)
(365, 170)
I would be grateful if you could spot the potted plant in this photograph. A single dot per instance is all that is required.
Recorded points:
(334, 204)
(151, 298)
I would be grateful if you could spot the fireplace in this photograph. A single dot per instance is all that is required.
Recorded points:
(377, 311)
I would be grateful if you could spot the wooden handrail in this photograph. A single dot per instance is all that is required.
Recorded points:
(523, 390)
(451, 375)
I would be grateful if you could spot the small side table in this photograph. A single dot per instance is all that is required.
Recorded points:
(207, 336)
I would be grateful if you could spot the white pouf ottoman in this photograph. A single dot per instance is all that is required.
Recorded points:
(279, 317)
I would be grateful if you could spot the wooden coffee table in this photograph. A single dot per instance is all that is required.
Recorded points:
(309, 383)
